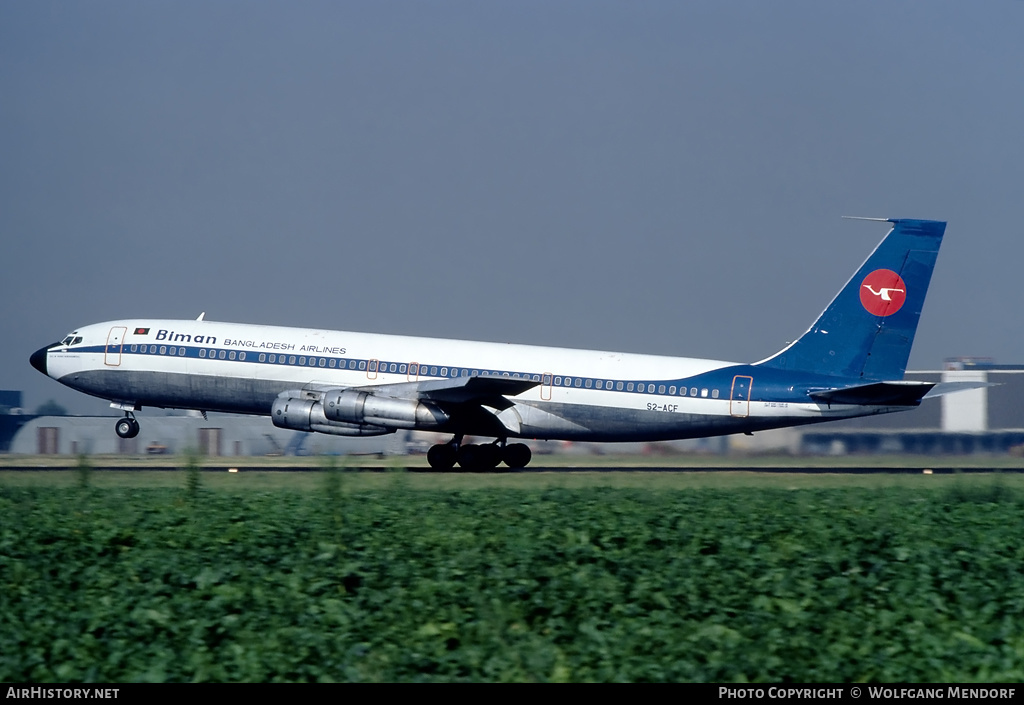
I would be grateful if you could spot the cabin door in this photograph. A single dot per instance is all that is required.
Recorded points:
(739, 397)
(115, 339)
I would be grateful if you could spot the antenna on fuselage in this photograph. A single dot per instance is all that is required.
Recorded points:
(201, 316)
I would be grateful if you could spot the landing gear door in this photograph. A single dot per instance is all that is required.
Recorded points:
(115, 339)
(739, 397)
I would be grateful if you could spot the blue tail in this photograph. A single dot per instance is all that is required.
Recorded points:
(868, 329)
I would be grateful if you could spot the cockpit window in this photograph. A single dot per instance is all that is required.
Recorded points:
(71, 340)
(77, 340)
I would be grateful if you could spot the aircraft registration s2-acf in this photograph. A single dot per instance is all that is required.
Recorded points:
(850, 363)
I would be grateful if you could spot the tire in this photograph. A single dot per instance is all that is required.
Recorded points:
(517, 455)
(469, 456)
(441, 457)
(490, 456)
(127, 428)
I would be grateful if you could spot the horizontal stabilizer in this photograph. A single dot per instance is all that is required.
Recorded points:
(906, 393)
(944, 388)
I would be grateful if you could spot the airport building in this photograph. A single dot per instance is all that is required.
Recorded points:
(989, 419)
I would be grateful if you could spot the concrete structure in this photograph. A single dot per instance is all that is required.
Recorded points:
(219, 435)
(990, 419)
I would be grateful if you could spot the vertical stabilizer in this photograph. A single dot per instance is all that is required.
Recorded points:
(868, 329)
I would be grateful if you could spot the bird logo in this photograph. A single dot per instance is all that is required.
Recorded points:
(883, 292)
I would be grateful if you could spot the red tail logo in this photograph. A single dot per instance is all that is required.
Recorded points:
(883, 292)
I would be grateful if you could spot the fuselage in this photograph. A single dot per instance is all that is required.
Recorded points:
(576, 395)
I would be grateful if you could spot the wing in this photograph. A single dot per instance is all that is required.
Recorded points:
(485, 390)
(478, 405)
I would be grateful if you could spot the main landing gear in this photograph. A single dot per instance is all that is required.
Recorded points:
(470, 456)
(127, 427)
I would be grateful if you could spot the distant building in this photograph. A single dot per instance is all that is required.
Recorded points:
(989, 419)
(11, 417)
(217, 436)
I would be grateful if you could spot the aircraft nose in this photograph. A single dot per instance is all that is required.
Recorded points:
(38, 359)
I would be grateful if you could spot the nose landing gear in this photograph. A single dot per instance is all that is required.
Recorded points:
(127, 427)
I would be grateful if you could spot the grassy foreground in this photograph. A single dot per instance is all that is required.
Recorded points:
(403, 576)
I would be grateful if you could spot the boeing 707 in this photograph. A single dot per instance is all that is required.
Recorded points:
(850, 362)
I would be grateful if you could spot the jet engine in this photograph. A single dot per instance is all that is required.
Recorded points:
(352, 413)
(308, 415)
(351, 406)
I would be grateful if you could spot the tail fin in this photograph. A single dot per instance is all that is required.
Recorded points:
(867, 330)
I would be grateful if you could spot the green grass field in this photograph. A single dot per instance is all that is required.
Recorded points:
(581, 576)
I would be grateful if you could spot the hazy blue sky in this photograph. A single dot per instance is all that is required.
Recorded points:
(662, 177)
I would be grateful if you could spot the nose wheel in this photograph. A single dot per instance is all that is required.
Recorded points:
(127, 427)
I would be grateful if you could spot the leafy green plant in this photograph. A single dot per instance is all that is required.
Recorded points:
(593, 584)
(83, 470)
(193, 476)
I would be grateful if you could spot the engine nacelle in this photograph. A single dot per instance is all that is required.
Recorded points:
(308, 415)
(354, 407)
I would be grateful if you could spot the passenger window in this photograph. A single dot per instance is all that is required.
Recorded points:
(202, 351)
(714, 393)
(135, 348)
(629, 387)
(703, 392)
(145, 348)
(362, 364)
(323, 362)
(576, 383)
(672, 389)
(558, 381)
(444, 371)
(661, 389)
(693, 391)
(333, 362)
(222, 354)
(589, 384)
(291, 359)
(263, 357)
(241, 356)
(433, 371)
(402, 368)
(231, 355)
(273, 357)
(618, 386)
(600, 384)
(640, 387)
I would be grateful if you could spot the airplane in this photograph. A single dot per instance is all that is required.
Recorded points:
(849, 363)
